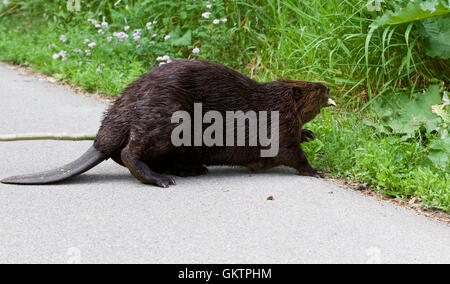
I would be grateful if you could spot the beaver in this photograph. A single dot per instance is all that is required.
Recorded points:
(136, 129)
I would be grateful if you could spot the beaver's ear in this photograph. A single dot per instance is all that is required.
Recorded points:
(297, 93)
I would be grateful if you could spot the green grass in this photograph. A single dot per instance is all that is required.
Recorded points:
(266, 39)
(348, 148)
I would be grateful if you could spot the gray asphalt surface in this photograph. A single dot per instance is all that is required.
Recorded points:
(106, 216)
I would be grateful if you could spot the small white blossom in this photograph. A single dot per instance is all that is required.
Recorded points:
(166, 37)
(224, 20)
(63, 38)
(216, 21)
(105, 24)
(206, 15)
(196, 50)
(92, 44)
(126, 28)
(208, 6)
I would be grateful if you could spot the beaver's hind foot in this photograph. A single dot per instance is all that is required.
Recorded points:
(142, 171)
(183, 170)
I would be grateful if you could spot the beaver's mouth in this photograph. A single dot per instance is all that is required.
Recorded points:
(331, 102)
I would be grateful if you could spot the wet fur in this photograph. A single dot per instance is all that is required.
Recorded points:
(136, 130)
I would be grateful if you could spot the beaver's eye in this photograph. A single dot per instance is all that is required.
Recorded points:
(296, 94)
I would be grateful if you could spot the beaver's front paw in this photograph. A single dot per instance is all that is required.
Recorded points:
(307, 135)
(312, 173)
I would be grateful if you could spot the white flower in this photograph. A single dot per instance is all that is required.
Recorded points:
(63, 38)
(105, 24)
(206, 15)
(86, 40)
(88, 52)
(149, 25)
(137, 35)
(56, 56)
(109, 39)
(209, 6)
(154, 35)
(166, 37)
(216, 21)
(224, 20)
(92, 44)
(162, 63)
(163, 58)
(121, 36)
(98, 26)
(126, 28)
(155, 22)
(196, 50)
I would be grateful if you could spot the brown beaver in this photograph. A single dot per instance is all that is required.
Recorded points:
(136, 130)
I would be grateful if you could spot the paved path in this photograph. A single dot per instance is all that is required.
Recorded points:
(105, 215)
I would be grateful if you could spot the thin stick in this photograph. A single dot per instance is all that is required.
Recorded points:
(47, 136)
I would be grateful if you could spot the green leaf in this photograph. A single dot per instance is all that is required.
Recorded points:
(185, 40)
(404, 115)
(440, 152)
(414, 11)
(437, 33)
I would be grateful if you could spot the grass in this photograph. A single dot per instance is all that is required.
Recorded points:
(348, 148)
(266, 39)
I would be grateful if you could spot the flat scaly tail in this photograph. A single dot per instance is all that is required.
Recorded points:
(86, 162)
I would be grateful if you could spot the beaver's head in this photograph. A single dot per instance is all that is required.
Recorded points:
(307, 98)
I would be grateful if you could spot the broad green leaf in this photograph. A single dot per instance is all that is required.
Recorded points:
(440, 152)
(437, 32)
(185, 40)
(414, 11)
(404, 115)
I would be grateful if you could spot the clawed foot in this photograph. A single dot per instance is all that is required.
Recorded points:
(312, 173)
(162, 180)
(186, 171)
(307, 135)
(143, 172)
